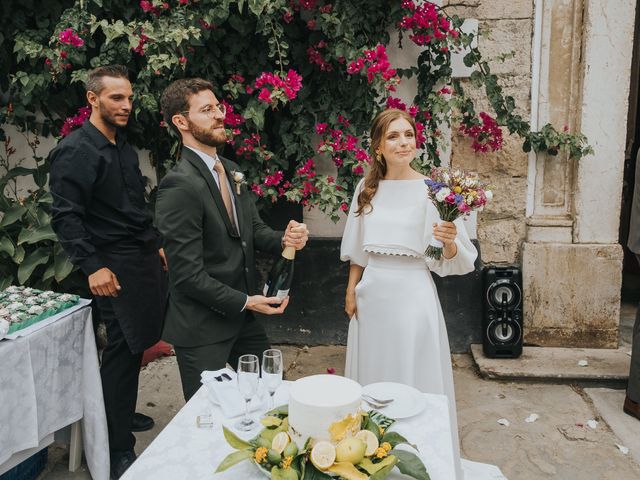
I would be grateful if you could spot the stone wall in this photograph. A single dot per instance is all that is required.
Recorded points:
(504, 26)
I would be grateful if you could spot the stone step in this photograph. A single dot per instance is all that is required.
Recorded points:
(556, 364)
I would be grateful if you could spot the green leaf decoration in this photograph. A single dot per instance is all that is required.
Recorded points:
(5, 282)
(372, 468)
(380, 419)
(39, 234)
(271, 421)
(13, 214)
(282, 411)
(410, 464)
(235, 441)
(35, 258)
(49, 272)
(234, 458)
(18, 255)
(62, 265)
(395, 438)
(312, 473)
(368, 424)
(7, 246)
(278, 473)
(382, 474)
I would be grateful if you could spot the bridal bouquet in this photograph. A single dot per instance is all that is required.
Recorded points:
(362, 448)
(454, 193)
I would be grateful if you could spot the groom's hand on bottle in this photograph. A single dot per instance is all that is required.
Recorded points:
(262, 304)
(296, 235)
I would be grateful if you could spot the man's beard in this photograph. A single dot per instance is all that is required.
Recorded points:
(110, 120)
(207, 136)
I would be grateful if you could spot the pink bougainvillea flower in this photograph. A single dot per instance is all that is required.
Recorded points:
(320, 128)
(69, 37)
(73, 122)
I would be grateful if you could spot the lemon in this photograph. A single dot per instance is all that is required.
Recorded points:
(280, 442)
(370, 440)
(323, 455)
(350, 450)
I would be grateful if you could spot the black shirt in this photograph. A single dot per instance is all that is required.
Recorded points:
(98, 197)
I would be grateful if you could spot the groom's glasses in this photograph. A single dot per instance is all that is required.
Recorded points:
(210, 111)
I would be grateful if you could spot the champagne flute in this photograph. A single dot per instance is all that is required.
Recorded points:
(248, 376)
(272, 372)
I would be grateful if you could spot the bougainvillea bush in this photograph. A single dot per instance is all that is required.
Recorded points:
(301, 80)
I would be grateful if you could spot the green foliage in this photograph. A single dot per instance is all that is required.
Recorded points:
(29, 252)
(231, 43)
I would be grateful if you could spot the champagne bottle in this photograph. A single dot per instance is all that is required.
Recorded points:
(279, 280)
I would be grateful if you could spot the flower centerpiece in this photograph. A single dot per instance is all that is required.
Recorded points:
(361, 448)
(454, 193)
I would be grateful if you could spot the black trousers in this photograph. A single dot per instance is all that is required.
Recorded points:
(192, 361)
(119, 370)
(633, 387)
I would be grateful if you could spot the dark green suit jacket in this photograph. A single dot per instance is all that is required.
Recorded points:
(211, 268)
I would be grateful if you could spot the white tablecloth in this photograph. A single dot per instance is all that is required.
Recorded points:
(50, 379)
(182, 450)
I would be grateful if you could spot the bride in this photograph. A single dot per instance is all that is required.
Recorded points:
(397, 331)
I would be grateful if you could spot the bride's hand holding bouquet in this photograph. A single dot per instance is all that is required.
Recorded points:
(454, 193)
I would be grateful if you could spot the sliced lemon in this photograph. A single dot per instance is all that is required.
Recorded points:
(370, 439)
(280, 442)
(323, 455)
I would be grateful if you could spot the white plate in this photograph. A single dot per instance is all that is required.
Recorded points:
(407, 401)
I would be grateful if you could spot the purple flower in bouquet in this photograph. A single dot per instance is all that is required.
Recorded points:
(454, 193)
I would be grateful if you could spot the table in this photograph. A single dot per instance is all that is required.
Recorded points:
(50, 379)
(182, 450)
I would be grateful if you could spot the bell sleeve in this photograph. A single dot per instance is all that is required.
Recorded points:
(463, 261)
(351, 248)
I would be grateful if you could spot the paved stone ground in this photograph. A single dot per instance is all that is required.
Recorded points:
(558, 445)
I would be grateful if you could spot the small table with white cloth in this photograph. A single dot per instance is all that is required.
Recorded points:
(183, 450)
(50, 379)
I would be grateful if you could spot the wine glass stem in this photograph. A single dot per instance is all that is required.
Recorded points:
(272, 401)
(246, 411)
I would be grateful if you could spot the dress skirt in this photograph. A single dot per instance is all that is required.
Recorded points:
(398, 333)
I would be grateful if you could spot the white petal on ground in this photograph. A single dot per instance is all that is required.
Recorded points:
(532, 418)
(622, 448)
(583, 363)
(504, 421)
(593, 424)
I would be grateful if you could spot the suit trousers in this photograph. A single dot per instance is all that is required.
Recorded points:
(633, 387)
(192, 361)
(119, 370)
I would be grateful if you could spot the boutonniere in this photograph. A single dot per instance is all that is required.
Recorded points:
(238, 179)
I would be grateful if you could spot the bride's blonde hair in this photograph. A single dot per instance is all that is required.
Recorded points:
(378, 167)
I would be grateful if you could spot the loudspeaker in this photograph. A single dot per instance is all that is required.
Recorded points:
(502, 312)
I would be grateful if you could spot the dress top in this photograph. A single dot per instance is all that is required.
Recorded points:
(401, 223)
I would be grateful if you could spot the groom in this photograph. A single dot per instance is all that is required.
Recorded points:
(211, 227)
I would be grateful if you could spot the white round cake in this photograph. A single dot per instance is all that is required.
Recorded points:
(317, 401)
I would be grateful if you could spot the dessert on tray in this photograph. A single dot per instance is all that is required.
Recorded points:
(21, 307)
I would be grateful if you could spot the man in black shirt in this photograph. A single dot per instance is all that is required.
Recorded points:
(101, 220)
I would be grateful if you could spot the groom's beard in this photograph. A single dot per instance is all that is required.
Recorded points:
(208, 136)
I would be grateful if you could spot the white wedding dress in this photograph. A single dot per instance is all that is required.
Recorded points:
(399, 333)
